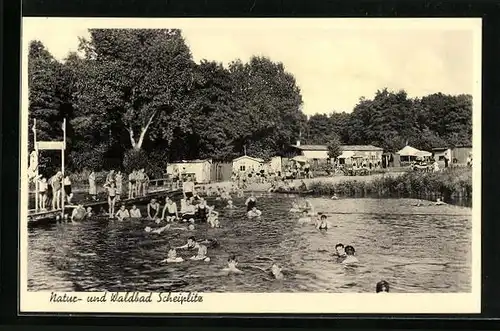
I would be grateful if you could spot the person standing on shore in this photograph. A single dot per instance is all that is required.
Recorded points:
(119, 182)
(92, 186)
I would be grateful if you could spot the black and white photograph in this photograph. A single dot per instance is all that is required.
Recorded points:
(251, 165)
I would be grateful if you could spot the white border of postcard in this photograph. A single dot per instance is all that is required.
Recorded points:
(263, 302)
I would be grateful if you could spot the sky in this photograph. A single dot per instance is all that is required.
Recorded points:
(334, 61)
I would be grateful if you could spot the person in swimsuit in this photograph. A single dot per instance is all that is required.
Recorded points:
(191, 244)
(111, 187)
(90, 213)
(213, 217)
(78, 214)
(122, 213)
(350, 258)
(42, 193)
(119, 182)
(55, 184)
(189, 212)
(276, 271)
(92, 186)
(322, 223)
(131, 185)
(145, 183)
(110, 177)
(340, 252)
(202, 211)
(305, 218)
(153, 209)
(172, 256)
(254, 213)
(67, 189)
(382, 287)
(139, 178)
(188, 188)
(169, 213)
(231, 266)
(251, 202)
(202, 254)
(135, 212)
(230, 204)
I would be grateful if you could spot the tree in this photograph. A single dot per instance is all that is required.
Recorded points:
(135, 81)
(334, 150)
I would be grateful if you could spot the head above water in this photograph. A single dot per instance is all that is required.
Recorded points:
(323, 217)
(382, 286)
(232, 260)
(349, 250)
(191, 239)
(191, 227)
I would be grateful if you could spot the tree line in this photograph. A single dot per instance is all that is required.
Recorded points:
(137, 99)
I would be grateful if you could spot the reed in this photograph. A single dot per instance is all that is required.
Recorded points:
(449, 183)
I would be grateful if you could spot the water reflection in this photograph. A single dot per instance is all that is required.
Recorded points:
(416, 249)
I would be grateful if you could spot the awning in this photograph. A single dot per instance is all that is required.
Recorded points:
(423, 154)
(300, 158)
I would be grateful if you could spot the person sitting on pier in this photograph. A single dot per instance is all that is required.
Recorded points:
(322, 223)
(153, 209)
(169, 213)
(42, 193)
(305, 219)
(213, 217)
(55, 186)
(67, 189)
(172, 256)
(122, 213)
(231, 265)
(189, 212)
(92, 186)
(78, 213)
(111, 197)
(254, 213)
(202, 211)
(251, 202)
(119, 183)
(382, 287)
(350, 258)
(135, 212)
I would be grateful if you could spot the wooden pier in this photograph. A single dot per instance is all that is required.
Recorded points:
(51, 215)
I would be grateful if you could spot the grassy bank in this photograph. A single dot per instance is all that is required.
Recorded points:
(451, 184)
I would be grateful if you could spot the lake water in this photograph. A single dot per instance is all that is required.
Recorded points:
(416, 249)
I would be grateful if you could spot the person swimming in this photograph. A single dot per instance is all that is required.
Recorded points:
(382, 287)
(276, 271)
(322, 223)
(190, 244)
(251, 202)
(157, 230)
(230, 204)
(295, 208)
(122, 213)
(254, 212)
(350, 258)
(231, 265)
(213, 217)
(305, 218)
(201, 255)
(135, 212)
(340, 252)
(172, 256)
(78, 214)
(210, 243)
(90, 213)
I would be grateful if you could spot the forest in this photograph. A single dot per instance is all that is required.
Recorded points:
(135, 98)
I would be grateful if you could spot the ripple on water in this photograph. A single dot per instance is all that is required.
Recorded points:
(420, 252)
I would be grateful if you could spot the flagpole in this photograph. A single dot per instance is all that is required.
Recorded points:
(62, 168)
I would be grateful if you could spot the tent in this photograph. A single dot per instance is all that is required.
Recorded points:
(424, 154)
(408, 151)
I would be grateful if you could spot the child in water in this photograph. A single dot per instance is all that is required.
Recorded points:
(135, 212)
(172, 256)
(382, 287)
(322, 223)
(305, 218)
(350, 258)
(231, 265)
(78, 213)
(254, 212)
(276, 271)
(202, 254)
(340, 252)
(230, 204)
(122, 213)
(213, 217)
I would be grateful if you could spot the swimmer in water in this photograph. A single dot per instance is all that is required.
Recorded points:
(122, 213)
(382, 287)
(276, 271)
(305, 218)
(89, 212)
(335, 197)
(231, 266)
(213, 217)
(78, 214)
(172, 256)
(202, 254)
(135, 212)
(340, 252)
(230, 204)
(322, 223)
(350, 258)
(295, 208)
(439, 202)
(251, 202)
(254, 212)
(157, 230)
(191, 244)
